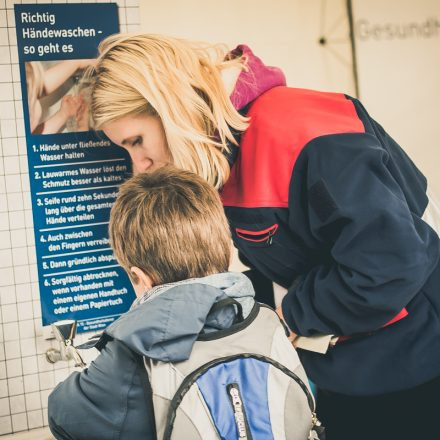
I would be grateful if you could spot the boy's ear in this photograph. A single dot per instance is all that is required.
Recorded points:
(141, 281)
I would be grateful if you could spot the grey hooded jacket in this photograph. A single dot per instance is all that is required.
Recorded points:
(110, 399)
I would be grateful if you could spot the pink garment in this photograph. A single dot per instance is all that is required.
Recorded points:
(257, 79)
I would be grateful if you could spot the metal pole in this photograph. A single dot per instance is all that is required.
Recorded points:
(353, 47)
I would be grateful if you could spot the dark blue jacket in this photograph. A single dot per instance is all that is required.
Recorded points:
(324, 202)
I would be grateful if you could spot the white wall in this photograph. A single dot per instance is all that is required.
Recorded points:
(399, 77)
(283, 33)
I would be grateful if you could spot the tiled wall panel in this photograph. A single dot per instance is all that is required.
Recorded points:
(26, 378)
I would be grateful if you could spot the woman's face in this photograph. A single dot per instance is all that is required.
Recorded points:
(144, 138)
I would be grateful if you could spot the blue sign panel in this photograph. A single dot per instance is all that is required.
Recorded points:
(74, 171)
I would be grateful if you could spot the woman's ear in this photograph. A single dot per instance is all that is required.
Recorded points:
(140, 280)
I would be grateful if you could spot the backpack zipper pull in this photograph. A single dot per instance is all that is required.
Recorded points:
(318, 431)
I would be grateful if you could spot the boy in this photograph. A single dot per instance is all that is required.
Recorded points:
(174, 366)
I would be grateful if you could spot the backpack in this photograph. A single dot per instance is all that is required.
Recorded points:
(245, 382)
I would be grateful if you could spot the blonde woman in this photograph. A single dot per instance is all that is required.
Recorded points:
(319, 198)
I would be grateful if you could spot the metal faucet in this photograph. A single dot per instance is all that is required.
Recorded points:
(65, 332)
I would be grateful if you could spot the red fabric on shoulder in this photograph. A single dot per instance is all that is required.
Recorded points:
(283, 121)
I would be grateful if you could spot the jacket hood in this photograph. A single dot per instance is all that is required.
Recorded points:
(257, 79)
(164, 323)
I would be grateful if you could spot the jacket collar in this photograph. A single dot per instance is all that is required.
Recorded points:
(251, 83)
(167, 320)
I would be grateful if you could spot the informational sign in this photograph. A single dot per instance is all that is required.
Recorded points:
(74, 171)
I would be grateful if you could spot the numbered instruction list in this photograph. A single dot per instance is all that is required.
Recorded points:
(73, 193)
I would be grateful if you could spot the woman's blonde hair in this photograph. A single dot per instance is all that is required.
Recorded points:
(179, 81)
(171, 224)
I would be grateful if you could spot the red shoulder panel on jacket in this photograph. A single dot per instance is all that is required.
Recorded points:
(283, 121)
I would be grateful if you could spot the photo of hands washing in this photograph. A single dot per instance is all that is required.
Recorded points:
(57, 101)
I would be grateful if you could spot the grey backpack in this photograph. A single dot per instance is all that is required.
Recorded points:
(245, 382)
